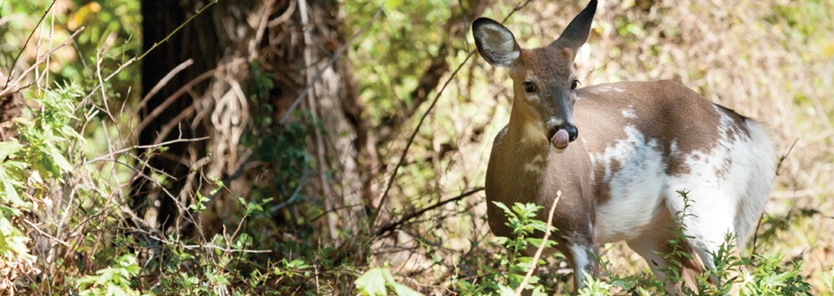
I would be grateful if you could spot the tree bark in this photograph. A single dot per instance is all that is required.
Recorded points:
(332, 103)
(196, 40)
(226, 107)
(11, 106)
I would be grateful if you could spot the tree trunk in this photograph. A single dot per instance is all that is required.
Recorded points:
(301, 47)
(227, 108)
(196, 40)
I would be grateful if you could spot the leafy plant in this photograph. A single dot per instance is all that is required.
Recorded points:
(522, 219)
(377, 281)
(769, 277)
(115, 280)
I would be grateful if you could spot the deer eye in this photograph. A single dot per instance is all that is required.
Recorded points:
(574, 84)
(529, 86)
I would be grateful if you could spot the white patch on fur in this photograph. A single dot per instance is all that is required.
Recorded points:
(728, 186)
(629, 113)
(532, 134)
(763, 167)
(607, 88)
(535, 165)
(553, 122)
(635, 187)
(500, 44)
(581, 261)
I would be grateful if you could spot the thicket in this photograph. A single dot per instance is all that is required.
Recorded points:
(66, 167)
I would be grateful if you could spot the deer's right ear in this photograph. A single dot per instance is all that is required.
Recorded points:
(495, 42)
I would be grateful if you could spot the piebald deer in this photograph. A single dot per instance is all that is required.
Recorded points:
(619, 153)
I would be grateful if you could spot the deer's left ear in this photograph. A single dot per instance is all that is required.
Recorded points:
(495, 42)
(576, 33)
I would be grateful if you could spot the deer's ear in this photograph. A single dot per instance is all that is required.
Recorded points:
(576, 33)
(495, 42)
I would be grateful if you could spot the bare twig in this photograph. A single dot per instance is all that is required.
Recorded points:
(38, 61)
(46, 234)
(391, 226)
(162, 82)
(516, 9)
(14, 62)
(211, 246)
(108, 156)
(411, 140)
(784, 156)
(284, 17)
(154, 46)
(170, 100)
(541, 246)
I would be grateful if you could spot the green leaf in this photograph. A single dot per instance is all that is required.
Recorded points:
(373, 282)
(504, 207)
(501, 240)
(403, 290)
(505, 291)
(9, 148)
(59, 160)
(536, 242)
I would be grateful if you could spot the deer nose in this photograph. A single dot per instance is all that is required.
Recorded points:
(573, 132)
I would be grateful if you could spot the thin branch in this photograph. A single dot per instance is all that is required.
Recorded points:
(170, 100)
(46, 234)
(391, 226)
(14, 62)
(120, 151)
(412, 137)
(155, 45)
(38, 61)
(210, 246)
(162, 82)
(784, 156)
(516, 9)
(541, 246)
(158, 43)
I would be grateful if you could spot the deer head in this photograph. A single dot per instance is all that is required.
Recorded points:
(544, 82)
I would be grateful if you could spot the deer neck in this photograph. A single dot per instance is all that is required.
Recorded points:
(528, 134)
(524, 152)
(538, 168)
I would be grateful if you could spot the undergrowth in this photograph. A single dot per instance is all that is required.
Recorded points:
(759, 274)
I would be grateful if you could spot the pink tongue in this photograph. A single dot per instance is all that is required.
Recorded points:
(560, 139)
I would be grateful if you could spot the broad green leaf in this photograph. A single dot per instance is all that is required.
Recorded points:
(59, 159)
(9, 148)
(505, 291)
(536, 242)
(373, 282)
(504, 207)
(403, 290)
(501, 240)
